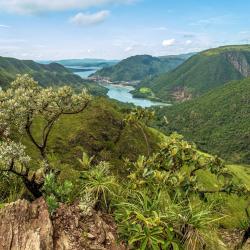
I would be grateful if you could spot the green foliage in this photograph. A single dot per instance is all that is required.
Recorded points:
(11, 187)
(201, 73)
(98, 181)
(139, 67)
(218, 122)
(56, 192)
(52, 203)
(142, 221)
(163, 204)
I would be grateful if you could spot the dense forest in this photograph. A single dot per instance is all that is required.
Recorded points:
(141, 66)
(217, 121)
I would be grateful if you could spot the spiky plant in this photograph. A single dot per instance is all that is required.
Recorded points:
(100, 182)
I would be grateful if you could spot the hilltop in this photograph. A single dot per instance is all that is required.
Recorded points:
(202, 73)
(217, 121)
(52, 74)
(87, 62)
(141, 66)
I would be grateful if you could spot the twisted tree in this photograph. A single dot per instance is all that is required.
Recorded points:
(20, 105)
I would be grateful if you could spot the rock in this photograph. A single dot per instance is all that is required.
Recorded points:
(26, 226)
(73, 231)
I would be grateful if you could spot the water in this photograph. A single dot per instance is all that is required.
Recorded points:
(86, 71)
(118, 92)
(122, 94)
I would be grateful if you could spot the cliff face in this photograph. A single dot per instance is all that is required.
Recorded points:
(28, 226)
(240, 63)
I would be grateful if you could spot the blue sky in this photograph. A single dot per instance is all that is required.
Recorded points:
(116, 29)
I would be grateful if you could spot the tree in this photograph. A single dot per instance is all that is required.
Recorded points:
(20, 106)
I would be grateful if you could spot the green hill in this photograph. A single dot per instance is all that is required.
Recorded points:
(87, 62)
(46, 74)
(217, 121)
(202, 72)
(96, 131)
(141, 66)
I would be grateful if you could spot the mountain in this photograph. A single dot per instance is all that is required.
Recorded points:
(88, 62)
(46, 74)
(138, 67)
(217, 121)
(202, 72)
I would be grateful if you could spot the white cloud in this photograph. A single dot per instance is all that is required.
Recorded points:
(86, 19)
(168, 42)
(188, 42)
(38, 6)
(128, 49)
(4, 26)
(161, 28)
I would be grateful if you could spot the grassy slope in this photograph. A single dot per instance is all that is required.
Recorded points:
(139, 67)
(95, 131)
(201, 72)
(217, 121)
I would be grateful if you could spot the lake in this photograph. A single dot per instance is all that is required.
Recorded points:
(118, 92)
(122, 94)
(83, 72)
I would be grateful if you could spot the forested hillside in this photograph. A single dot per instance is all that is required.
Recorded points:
(217, 121)
(202, 73)
(47, 74)
(141, 66)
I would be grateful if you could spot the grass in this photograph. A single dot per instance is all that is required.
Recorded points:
(145, 90)
(95, 132)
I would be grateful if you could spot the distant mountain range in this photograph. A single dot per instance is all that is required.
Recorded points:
(52, 74)
(88, 62)
(141, 66)
(201, 73)
(218, 121)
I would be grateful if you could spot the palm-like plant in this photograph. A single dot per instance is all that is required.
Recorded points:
(194, 225)
(99, 182)
(143, 222)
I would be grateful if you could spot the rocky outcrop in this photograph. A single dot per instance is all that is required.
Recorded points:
(239, 62)
(28, 226)
(74, 230)
(181, 94)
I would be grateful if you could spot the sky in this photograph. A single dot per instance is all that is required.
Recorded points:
(116, 29)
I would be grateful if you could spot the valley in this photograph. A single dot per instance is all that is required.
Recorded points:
(124, 125)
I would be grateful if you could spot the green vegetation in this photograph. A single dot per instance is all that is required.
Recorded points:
(162, 191)
(46, 74)
(139, 67)
(87, 62)
(56, 192)
(202, 73)
(218, 122)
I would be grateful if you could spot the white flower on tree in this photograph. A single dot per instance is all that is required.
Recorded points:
(20, 105)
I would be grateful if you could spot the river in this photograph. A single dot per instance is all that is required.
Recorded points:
(119, 92)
